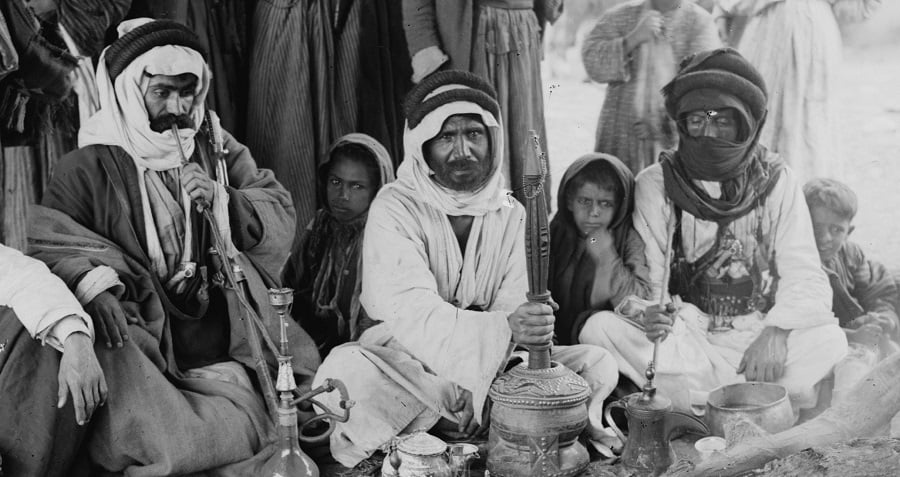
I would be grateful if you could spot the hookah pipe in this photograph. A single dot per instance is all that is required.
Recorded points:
(537, 244)
(649, 390)
(255, 329)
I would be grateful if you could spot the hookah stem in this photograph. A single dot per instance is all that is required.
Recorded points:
(667, 270)
(537, 241)
(262, 368)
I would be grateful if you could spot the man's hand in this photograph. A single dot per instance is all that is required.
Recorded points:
(886, 324)
(532, 323)
(722, 24)
(649, 27)
(764, 359)
(80, 375)
(868, 334)
(199, 186)
(642, 130)
(658, 321)
(465, 411)
(110, 319)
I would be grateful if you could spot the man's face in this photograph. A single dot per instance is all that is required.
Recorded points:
(349, 188)
(830, 229)
(460, 153)
(592, 207)
(169, 100)
(718, 123)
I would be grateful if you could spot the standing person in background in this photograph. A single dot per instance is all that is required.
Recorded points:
(498, 40)
(304, 74)
(635, 48)
(796, 46)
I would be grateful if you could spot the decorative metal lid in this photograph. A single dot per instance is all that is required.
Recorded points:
(643, 403)
(421, 443)
(556, 386)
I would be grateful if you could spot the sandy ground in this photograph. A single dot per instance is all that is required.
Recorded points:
(870, 135)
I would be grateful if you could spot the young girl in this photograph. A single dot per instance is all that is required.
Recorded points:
(324, 268)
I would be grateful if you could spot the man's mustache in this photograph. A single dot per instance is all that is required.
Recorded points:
(164, 123)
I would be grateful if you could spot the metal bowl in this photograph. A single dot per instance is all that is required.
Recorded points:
(764, 404)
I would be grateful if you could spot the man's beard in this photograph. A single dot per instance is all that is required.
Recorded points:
(164, 122)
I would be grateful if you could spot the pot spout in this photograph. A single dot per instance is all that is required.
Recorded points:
(679, 423)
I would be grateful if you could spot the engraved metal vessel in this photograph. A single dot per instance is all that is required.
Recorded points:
(539, 409)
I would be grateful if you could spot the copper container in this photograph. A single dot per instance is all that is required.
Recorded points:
(535, 420)
(764, 404)
(539, 409)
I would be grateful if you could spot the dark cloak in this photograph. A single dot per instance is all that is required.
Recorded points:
(573, 272)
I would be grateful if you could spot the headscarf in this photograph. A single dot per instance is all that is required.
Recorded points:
(123, 121)
(429, 104)
(571, 270)
(330, 248)
(710, 80)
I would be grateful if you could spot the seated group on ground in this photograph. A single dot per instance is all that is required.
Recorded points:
(412, 291)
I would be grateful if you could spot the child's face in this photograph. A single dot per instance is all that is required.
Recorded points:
(349, 189)
(830, 229)
(592, 207)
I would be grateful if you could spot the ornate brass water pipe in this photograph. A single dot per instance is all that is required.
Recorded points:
(539, 409)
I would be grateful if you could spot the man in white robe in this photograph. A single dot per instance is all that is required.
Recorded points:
(754, 303)
(444, 270)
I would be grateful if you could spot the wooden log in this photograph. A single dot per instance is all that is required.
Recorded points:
(878, 456)
(869, 406)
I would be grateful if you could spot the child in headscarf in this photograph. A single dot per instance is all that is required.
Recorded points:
(596, 256)
(324, 268)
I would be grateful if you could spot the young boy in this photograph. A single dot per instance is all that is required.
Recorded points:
(324, 265)
(864, 292)
(596, 256)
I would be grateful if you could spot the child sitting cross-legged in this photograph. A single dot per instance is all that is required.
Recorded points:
(863, 290)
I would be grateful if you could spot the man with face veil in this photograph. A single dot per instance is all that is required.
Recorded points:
(730, 221)
(119, 225)
(444, 271)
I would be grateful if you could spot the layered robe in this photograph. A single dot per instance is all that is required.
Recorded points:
(92, 217)
(688, 29)
(694, 360)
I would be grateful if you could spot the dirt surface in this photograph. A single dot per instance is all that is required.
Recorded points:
(869, 92)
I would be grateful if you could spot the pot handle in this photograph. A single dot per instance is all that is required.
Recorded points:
(607, 414)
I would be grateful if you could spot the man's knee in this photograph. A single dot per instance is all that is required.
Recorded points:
(826, 344)
(597, 328)
(595, 364)
(340, 359)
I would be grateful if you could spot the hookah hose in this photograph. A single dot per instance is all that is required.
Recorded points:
(253, 323)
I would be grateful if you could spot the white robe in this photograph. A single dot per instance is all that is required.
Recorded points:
(41, 300)
(693, 361)
(404, 374)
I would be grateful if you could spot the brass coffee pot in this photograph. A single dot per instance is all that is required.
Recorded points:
(539, 409)
(651, 425)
